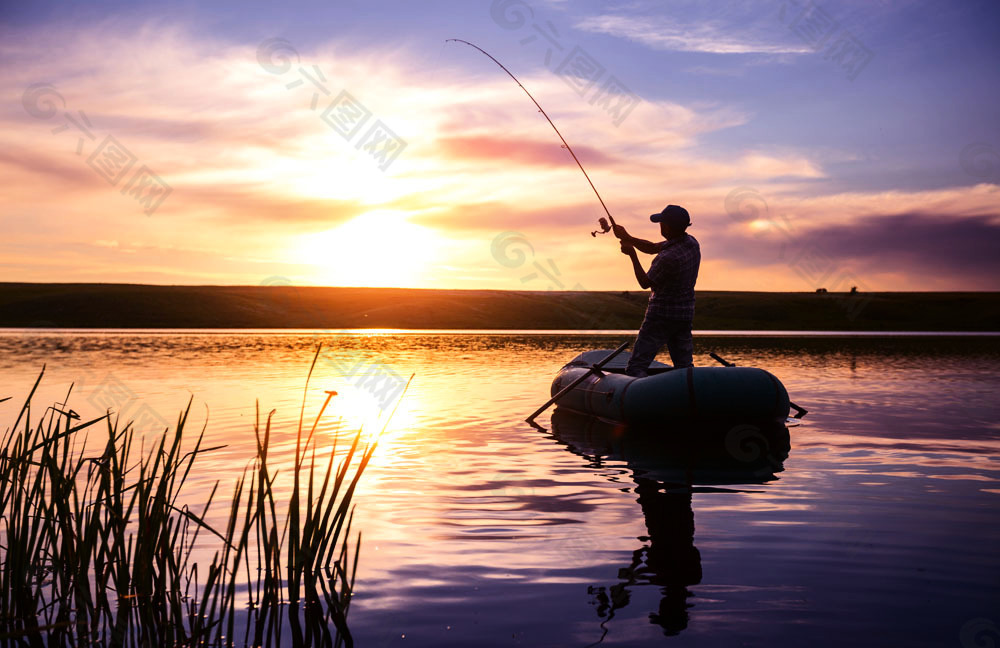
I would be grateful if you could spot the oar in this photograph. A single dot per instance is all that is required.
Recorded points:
(565, 390)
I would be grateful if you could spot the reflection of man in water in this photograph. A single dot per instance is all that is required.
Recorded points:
(670, 560)
(671, 276)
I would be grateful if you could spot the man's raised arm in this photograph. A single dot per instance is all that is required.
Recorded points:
(640, 274)
(647, 247)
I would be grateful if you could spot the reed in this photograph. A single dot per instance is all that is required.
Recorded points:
(98, 547)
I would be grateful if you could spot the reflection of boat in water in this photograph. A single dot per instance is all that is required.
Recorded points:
(704, 453)
(668, 394)
(668, 465)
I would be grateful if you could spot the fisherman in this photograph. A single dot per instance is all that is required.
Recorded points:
(671, 276)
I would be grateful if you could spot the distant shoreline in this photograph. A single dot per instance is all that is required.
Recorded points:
(136, 306)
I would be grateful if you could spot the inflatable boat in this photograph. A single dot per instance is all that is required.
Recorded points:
(667, 394)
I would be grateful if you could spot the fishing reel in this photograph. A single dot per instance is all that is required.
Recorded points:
(605, 228)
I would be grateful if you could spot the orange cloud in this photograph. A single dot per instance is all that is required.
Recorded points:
(520, 151)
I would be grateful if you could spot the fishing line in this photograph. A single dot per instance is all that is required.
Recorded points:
(551, 123)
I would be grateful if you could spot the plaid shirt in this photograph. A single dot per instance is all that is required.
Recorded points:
(672, 276)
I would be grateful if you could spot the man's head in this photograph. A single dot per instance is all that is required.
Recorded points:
(673, 220)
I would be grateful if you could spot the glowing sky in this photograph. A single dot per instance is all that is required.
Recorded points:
(848, 143)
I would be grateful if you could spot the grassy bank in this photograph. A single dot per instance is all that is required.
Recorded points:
(141, 306)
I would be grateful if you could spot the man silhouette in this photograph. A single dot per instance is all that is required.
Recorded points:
(671, 277)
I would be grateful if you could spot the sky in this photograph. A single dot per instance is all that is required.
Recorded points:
(346, 143)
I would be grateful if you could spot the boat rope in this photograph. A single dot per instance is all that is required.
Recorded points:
(551, 123)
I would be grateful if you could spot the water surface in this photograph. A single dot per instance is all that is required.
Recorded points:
(880, 527)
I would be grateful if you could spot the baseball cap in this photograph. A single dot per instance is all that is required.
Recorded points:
(672, 215)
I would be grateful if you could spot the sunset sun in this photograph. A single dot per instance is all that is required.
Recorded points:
(379, 248)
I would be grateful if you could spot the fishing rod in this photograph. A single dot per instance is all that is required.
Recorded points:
(605, 228)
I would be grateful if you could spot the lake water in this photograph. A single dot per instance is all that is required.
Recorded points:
(880, 528)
